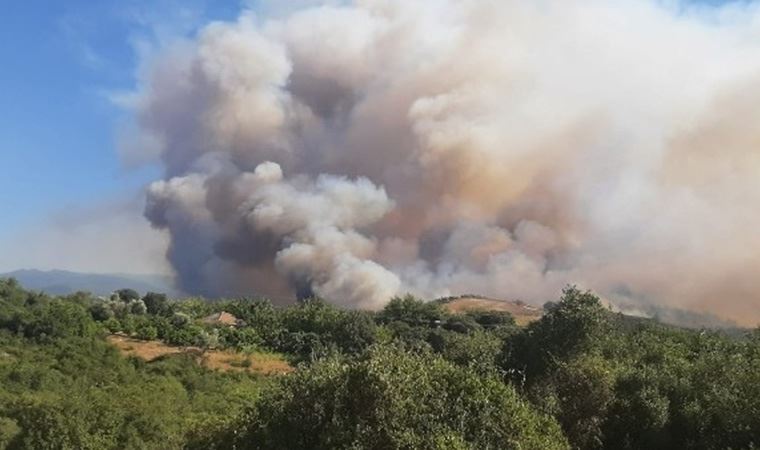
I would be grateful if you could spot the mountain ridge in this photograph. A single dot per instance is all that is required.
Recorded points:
(64, 282)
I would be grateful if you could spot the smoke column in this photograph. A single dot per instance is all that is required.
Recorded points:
(438, 147)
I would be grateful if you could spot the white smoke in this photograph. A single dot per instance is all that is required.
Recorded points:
(446, 146)
(315, 224)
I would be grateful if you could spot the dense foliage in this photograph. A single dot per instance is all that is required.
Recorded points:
(390, 398)
(410, 376)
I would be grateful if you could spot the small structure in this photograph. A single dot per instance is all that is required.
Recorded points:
(223, 319)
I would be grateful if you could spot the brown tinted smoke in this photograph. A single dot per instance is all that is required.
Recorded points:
(503, 148)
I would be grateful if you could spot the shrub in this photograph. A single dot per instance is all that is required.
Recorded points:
(574, 326)
(394, 399)
(101, 311)
(60, 319)
(156, 304)
(147, 332)
(127, 295)
(412, 311)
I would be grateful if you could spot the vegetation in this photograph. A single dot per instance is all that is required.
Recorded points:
(391, 398)
(410, 376)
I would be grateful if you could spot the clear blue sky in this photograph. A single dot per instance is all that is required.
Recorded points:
(58, 62)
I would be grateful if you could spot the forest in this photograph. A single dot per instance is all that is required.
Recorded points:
(410, 376)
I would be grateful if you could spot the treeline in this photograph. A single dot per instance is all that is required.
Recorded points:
(407, 377)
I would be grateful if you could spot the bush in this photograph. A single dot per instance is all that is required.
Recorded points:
(8, 430)
(137, 307)
(574, 326)
(412, 311)
(112, 325)
(461, 324)
(478, 351)
(259, 315)
(240, 337)
(180, 320)
(394, 399)
(579, 394)
(492, 319)
(190, 335)
(156, 304)
(60, 319)
(101, 311)
(127, 295)
(147, 332)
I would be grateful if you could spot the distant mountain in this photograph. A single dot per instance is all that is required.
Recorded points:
(61, 282)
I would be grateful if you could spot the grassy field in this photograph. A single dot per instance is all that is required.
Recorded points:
(224, 360)
(523, 314)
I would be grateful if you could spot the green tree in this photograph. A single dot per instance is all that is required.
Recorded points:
(412, 311)
(492, 319)
(146, 332)
(574, 326)
(579, 393)
(261, 316)
(355, 331)
(478, 350)
(101, 311)
(137, 307)
(127, 295)
(60, 319)
(394, 399)
(156, 303)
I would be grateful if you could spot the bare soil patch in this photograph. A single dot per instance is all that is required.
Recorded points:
(224, 360)
(523, 314)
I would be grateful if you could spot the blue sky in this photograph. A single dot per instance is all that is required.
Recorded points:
(68, 200)
(60, 60)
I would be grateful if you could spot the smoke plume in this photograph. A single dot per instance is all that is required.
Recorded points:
(438, 147)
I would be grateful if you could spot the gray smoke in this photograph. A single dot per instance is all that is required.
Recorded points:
(440, 146)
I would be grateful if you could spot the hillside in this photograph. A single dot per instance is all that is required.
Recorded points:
(93, 373)
(523, 314)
